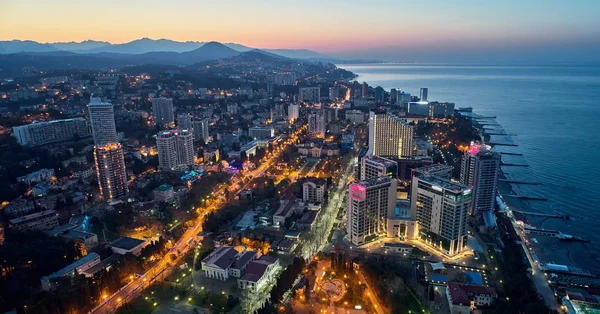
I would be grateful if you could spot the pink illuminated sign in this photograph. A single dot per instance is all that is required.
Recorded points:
(358, 192)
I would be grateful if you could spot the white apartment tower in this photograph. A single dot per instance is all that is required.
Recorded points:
(313, 190)
(479, 169)
(162, 108)
(389, 135)
(200, 128)
(316, 123)
(441, 208)
(370, 202)
(184, 122)
(102, 121)
(175, 149)
(293, 112)
(110, 168)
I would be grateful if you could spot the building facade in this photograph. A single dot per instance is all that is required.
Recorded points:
(50, 132)
(479, 169)
(293, 112)
(389, 135)
(162, 108)
(102, 121)
(200, 129)
(370, 202)
(313, 190)
(310, 94)
(261, 132)
(110, 169)
(175, 149)
(316, 123)
(441, 208)
(374, 166)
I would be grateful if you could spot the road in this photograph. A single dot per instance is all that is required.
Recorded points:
(164, 266)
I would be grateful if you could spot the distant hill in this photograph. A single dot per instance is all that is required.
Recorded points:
(80, 46)
(140, 46)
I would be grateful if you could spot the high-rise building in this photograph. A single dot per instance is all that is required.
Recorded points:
(313, 190)
(162, 108)
(394, 95)
(184, 122)
(374, 166)
(102, 120)
(310, 94)
(423, 95)
(370, 202)
(389, 135)
(175, 149)
(441, 109)
(200, 128)
(479, 169)
(331, 114)
(110, 168)
(365, 90)
(334, 92)
(402, 98)
(261, 132)
(293, 112)
(379, 94)
(316, 123)
(50, 132)
(441, 208)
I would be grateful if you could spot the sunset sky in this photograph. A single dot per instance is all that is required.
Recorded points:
(384, 29)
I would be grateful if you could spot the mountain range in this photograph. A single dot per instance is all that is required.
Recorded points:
(139, 46)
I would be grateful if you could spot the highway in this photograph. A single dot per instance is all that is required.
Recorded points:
(164, 266)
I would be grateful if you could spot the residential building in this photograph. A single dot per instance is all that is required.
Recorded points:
(441, 109)
(394, 95)
(44, 220)
(162, 109)
(110, 170)
(102, 121)
(441, 208)
(310, 94)
(465, 298)
(402, 98)
(313, 190)
(334, 92)
(73, 269)
(369, 204)
(200, 129)
(374, 166)
(365, 90)
(389, 135)
(261, 132)
(258, 273)
(163, 193)
(184, 122)
(51, 132)
(379, 94)
(355, 116)
(175, 149)
(19, 207)
(407, 165)
(479, 169)
(316, 123)
(293, 112)
(423, 94)
(42, 175)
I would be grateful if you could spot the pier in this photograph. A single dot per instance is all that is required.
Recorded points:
(495, 133)
(527, 198)
(511, 154)
(513, 165)
(519, 182)
(502, 144)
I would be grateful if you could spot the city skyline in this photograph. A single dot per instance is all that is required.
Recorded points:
(439, 32)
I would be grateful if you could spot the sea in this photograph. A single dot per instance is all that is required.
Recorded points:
(552, 114)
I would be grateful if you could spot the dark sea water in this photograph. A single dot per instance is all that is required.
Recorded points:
(552, 113)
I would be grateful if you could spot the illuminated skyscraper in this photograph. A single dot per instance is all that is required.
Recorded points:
(102, 121)
(423, 96)
(370, 202)
(110, 168)
(316, 123)
(389, 135)
(479, 169)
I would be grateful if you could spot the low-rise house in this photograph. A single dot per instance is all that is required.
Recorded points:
(463, 298)
(124, 245)
(44, 220)
(75, 268)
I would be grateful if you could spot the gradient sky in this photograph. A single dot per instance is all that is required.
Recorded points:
(385, 29)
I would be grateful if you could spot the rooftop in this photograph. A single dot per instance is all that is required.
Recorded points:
(32, 216)
(222, 257)
(256, 269)
(164, 187)
(464, 293)
(442, 183)
(126, 243)
(69, 268)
